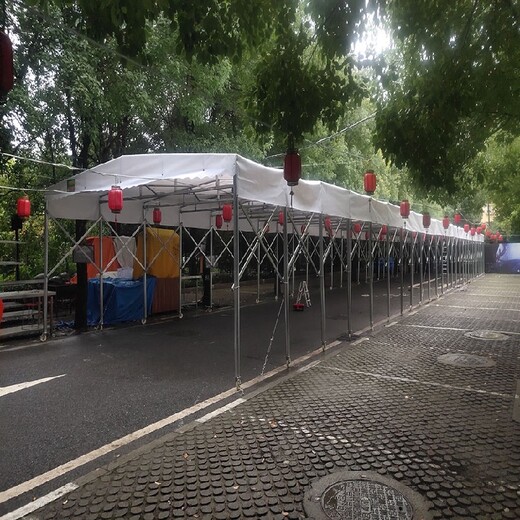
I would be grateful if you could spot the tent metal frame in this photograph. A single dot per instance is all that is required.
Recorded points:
(455, 260)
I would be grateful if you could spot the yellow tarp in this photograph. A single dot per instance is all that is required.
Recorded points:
(162, 253)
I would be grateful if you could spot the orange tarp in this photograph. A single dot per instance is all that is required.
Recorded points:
(162, 253)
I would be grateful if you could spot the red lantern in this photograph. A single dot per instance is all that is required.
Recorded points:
(369, 182)
(479, 230)
(383, 231)
(157, 215)
(23, 207)
(357, 228)
(6, 65)
(472, 231)
(457, 218)
(280, 218)
(483, 226)
(466, 228)
(405, 208)
(328, 225)
(227, 212)
(218, 221)
(426, 220)
(115, 199)
(492, 237)
(292, 168)
(446, 222)
(488, 233)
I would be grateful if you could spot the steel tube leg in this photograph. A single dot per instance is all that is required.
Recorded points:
(286, 289)
(322, 286)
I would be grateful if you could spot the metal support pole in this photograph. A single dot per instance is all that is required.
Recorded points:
(145, 271)
(259, 265)
(349, 280)
(307, 259)
(388, 285)
(451, 269)
(101, 280)
(342, 253)
(421, 274)
(370, 269)
(401, 263)
(181, 262)
(412, 268)
(236, 282)
(436, 257)
(286, 288)
(46, 275)
(331, 265)
(276, 279)
(428, 261)
(322, 285)
(211, 256)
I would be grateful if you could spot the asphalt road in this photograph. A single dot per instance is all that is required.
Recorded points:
(119, 380)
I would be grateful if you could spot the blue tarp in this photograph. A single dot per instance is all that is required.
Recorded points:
(122, 300)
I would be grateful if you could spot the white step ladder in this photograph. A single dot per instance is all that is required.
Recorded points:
(303, 292)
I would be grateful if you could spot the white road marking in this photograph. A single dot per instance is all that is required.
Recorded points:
(431, 327)
(39, 480)
(40, 502)
(476, 308)
(219, 411)
(22, 386)
(416, 381)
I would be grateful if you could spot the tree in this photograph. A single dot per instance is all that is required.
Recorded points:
(497, 167)
(452, 83)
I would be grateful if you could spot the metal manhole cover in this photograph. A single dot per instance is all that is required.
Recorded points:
(363, 495)
(487, 335)
(354, 499)
(466, 360)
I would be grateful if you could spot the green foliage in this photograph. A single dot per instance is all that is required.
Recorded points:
(497, 166)
(455, 83)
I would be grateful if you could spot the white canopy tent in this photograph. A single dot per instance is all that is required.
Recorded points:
(195, 184)
(191, 189)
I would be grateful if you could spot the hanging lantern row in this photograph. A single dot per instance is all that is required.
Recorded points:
(23, 207)
(157, 216)
(370, 182)
(357, 228)
(404, 208)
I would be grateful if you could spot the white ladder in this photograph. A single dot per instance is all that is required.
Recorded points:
(303, 292)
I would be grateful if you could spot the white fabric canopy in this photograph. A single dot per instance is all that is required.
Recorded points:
(191, 188)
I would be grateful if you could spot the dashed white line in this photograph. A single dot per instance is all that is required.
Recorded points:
(40, 502)
(416, 381)
(22, 386)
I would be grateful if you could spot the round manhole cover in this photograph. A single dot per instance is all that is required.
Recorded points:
(370, 496)
(487, 335)
(354, 499)
(466, 360)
